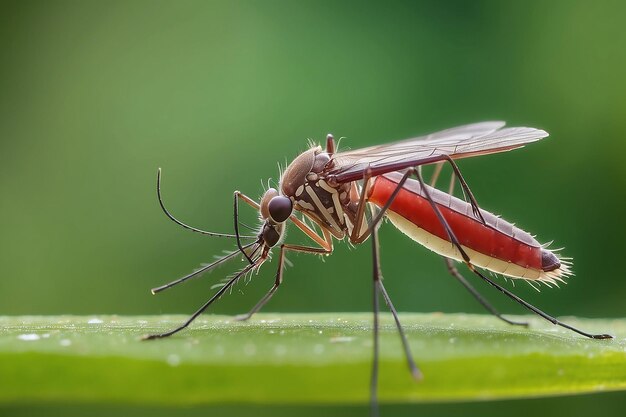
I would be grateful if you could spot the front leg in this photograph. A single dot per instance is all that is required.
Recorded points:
(279, 275)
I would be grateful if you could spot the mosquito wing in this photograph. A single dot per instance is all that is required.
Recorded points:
(458, 142)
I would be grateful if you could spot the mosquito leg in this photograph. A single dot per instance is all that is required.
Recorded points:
(465, 187)
(383, 209)
(260, 304)
(378, 282)
(376, 288)
(456, 274)
(509, 294)
(325, 242)
(375, 359)
(237, 196)
(415, 372)
(207, 304)
(452, 184)
(355, 236)
(457, 174)
(248, 200)
(279, 276)
(236, 221)
(435, 177)
(535, 309)
(436, 172)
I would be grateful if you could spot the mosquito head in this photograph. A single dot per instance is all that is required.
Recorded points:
(275, 210)
(272, 233)
(275, 207)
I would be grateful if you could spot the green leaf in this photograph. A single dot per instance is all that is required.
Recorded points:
(300, 358)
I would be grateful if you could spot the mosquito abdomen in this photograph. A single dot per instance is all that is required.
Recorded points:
(498, 245)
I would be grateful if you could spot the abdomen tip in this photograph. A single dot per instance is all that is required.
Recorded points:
(549, 261)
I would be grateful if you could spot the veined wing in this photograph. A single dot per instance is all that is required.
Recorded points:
(458, 142)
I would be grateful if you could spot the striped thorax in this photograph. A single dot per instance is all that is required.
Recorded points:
(333, 207)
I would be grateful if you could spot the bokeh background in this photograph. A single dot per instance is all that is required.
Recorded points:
(94, 96)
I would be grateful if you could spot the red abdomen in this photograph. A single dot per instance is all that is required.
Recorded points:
(496, 240)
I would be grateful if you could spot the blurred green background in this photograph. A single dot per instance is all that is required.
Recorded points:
(96, 95)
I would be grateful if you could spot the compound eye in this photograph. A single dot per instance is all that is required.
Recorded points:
(280, 208)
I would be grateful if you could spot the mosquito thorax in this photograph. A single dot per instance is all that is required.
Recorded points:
(305, 183)
(308, 166)
(295, 174)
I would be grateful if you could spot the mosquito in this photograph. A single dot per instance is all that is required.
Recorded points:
(347, 194)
